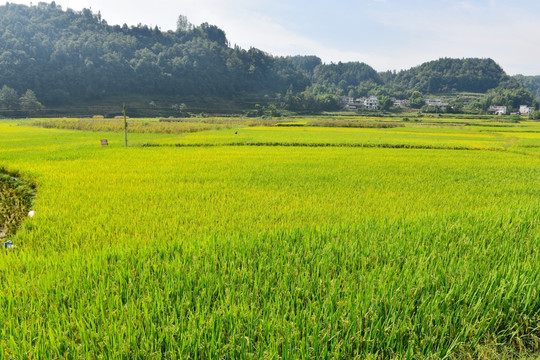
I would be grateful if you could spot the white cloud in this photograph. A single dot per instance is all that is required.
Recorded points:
(465, 5)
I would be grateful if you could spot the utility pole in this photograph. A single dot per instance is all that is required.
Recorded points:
(125, 124)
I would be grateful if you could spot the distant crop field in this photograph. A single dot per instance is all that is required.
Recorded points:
(262, 241)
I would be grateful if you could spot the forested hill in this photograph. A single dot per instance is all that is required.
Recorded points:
(64, 55)
(448, 75)
(532, 83)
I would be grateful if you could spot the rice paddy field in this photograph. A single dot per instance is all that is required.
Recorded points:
(308, 238)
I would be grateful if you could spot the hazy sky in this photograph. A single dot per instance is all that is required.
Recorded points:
(386, 34)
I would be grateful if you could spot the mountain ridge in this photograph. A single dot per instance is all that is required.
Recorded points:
(66, 56)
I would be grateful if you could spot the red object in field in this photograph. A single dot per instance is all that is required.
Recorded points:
(104, 142)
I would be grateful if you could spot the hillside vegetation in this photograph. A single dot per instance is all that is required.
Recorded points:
(58, 57)
(530, 82)
(448, 75)
(66, 55)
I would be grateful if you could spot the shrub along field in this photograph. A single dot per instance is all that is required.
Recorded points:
(336, 242)
(16, 198)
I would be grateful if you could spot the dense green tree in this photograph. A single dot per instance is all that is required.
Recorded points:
(9, 99)
(417, 100)
(430, 109)
(536, 104)
(310, 100)
(385, 102)
(305, 63)
(345, 75)
(450, 75)
(29, 102)
(180, 109)
(532, 83)
(183, 24)
(511, 98)
(455, 107)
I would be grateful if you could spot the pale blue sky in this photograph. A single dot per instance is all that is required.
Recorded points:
(386, 34)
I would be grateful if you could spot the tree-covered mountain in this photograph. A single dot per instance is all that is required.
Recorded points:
(452, 75)
(66, 55)
(532, 83)
(56, 56)
(345, 75)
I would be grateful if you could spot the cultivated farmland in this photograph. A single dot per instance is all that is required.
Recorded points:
(325, 239)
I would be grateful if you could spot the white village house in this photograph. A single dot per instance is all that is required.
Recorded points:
(348, 100)
(436, 102)
(525, 110)
(401, 103)
(498, 110)
(370, 103)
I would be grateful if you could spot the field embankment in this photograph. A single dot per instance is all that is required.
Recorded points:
(164, 126)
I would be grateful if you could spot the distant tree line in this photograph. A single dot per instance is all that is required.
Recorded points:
(10, 101)
(66, 56)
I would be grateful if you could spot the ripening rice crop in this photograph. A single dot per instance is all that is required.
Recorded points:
(247, 252)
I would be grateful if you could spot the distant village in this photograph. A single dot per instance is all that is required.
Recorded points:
(372, 104)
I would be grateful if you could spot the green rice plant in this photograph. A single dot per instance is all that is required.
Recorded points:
(245, 252)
